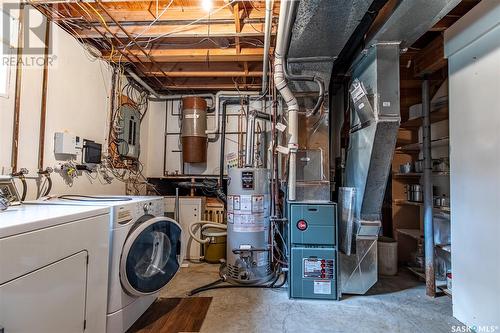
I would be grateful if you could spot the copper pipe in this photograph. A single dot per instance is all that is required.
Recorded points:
(17, 93)
(133, 40)
(43, 107)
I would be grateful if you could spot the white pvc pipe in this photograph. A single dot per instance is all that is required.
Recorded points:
(287, 94)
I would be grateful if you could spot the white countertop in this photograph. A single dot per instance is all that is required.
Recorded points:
(24, 218)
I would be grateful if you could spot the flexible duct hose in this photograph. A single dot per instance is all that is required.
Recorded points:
(204, 225)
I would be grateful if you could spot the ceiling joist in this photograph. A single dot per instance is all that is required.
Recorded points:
(173, 44)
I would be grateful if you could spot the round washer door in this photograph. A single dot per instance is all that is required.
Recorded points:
(149, 257)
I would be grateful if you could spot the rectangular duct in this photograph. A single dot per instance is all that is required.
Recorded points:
(375, 118)
(372, 142)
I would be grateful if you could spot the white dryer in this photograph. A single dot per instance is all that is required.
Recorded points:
(53, 269)
(144, 253)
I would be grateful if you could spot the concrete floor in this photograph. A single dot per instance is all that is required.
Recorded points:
(394, 304)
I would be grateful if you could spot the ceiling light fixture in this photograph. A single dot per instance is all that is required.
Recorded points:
(207, 5)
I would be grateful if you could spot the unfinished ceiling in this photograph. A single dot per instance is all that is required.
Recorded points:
(174, 45)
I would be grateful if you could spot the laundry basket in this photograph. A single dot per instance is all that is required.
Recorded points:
(387, 256)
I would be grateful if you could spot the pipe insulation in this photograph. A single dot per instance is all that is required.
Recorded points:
(286, 93)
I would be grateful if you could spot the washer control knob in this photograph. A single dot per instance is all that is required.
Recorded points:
(146, 208)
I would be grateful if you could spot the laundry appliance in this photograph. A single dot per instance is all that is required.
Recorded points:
(53, 268)
(144, 252)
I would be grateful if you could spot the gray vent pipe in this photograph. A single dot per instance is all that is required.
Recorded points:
(251, 116)
(282, 85)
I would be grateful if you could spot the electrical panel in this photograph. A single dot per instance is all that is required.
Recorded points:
(66, 143)
(128, 132)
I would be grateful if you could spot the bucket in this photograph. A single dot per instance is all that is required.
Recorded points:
(387, 256)
(215, 249)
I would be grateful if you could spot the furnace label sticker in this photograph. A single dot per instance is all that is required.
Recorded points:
(312, 267)
(317, 268)
(322, 287)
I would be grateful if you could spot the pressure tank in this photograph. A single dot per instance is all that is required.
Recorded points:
(193, 128)
(248, 210)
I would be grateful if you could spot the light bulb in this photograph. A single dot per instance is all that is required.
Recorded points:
(206, 4)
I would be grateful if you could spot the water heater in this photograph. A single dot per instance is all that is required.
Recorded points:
(248, 209)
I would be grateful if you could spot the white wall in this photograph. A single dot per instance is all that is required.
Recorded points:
(473, 50)
(77, 101)
(163, 122)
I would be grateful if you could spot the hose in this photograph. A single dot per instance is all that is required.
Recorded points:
(206, 224)
(25, 188)
(49, 186)
(214, 285)
(81, 197)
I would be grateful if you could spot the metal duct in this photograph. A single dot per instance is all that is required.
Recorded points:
(375, 97)
(371, 145)
(411, 19)
(323, 27)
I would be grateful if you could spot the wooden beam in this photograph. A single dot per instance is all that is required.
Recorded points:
(444, 23)
(210, 83)
(196, 55)
(173, 13)
(208, 74)
(431, 58)
(212, 87)
(195, 30)
(254, 66)
(237, 26)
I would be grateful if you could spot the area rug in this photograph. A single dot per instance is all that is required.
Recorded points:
(173, 315)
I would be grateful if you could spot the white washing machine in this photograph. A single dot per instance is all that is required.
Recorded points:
(144, 253)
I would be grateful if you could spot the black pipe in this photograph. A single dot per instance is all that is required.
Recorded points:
(214, 285)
